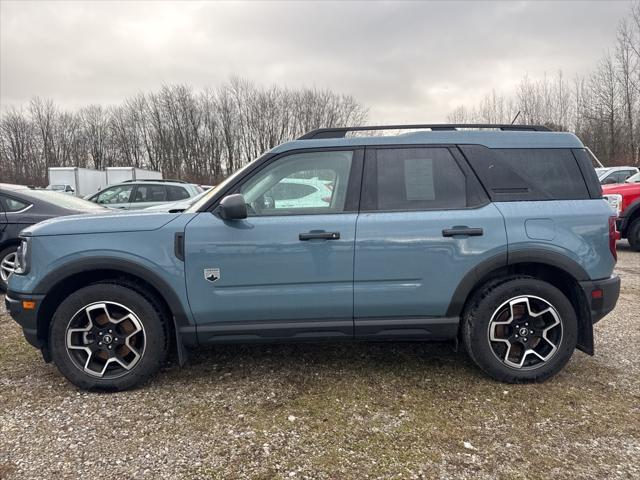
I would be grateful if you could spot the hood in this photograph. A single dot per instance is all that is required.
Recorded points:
(621, 188)
(109, 222)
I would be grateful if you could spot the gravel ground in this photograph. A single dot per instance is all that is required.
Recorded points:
(332, 411)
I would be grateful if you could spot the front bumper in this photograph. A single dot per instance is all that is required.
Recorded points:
(26, 318)
(601, 295)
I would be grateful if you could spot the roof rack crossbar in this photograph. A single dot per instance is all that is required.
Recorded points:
(341, 132)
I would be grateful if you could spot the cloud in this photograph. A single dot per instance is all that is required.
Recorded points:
(407, 61)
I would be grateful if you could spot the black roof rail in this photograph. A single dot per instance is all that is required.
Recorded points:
(158, 180)
(341, 132)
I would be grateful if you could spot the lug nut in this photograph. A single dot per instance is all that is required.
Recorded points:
(100, 333)
(109, 347)
(525, 339)
(99, 343)
(531, 332)
(516, 335)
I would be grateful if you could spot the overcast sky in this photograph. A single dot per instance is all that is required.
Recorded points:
(412, 61)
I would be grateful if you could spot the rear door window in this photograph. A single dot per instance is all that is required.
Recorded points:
(401, 179)
(511, 174)
(150, 193)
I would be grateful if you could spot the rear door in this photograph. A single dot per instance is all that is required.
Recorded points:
(425, 223)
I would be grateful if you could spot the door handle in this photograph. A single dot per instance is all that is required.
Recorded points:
(468, 231)
(318, 235)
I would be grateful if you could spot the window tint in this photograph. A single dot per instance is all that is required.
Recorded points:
(150, 193)
(114, 195)
(303, 183)
(12, 205)
(416, 179)
(528, 174)
(175, 193)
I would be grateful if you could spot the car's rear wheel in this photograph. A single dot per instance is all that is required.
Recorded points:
(634, 235)
(108, 336)
(7, 265)
(520, 330)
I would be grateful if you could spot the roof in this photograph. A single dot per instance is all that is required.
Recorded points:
(488, 138)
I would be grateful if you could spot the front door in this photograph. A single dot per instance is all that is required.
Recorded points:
(287, 270)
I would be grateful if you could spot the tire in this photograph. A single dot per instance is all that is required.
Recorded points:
(633, 235)
(7, 257)
(108, 336)
(502, 311)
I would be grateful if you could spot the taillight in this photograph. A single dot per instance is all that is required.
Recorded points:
(613, 237)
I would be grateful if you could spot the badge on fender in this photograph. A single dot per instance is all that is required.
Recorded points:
(212, 274)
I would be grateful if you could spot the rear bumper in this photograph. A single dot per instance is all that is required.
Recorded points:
(26, 318)
(601, 295)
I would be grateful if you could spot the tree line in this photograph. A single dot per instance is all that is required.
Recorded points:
(196, 136)
(602, 108)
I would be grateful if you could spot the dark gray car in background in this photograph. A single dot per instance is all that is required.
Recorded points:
(22, 206)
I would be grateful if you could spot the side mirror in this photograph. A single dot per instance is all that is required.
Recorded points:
(233, 207)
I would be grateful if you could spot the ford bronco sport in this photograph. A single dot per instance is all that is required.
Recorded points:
(493, 235)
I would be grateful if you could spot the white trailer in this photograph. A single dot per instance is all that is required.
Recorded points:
(122, 174)
(78, 181)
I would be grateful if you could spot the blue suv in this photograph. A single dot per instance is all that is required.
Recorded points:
(493, 235)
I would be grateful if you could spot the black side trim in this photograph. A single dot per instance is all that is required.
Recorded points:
(110, 263)
(470, 281)
(406, 328)
(178, 246)
(27, 319)
(600, 307)
(274, 330)
(550, 258)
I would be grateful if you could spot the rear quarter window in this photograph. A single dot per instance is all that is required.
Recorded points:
(528, 174)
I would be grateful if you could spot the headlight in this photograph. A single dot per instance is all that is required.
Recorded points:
(615, 201)
(22, 258)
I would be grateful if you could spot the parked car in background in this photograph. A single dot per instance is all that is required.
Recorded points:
(493, 235)
(68, 189)
(21, 207)
(624, 198)
(610, 175)
(139, 194)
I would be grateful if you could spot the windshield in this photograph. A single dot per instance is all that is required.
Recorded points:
(62, 200)
(209, 194)
(634, 178)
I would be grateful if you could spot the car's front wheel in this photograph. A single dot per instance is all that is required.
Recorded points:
(108, 336)
(519, 330)
(7, 265)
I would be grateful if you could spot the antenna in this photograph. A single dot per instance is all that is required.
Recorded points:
(516, 117)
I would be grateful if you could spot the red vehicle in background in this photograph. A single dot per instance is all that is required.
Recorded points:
(624, 198)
